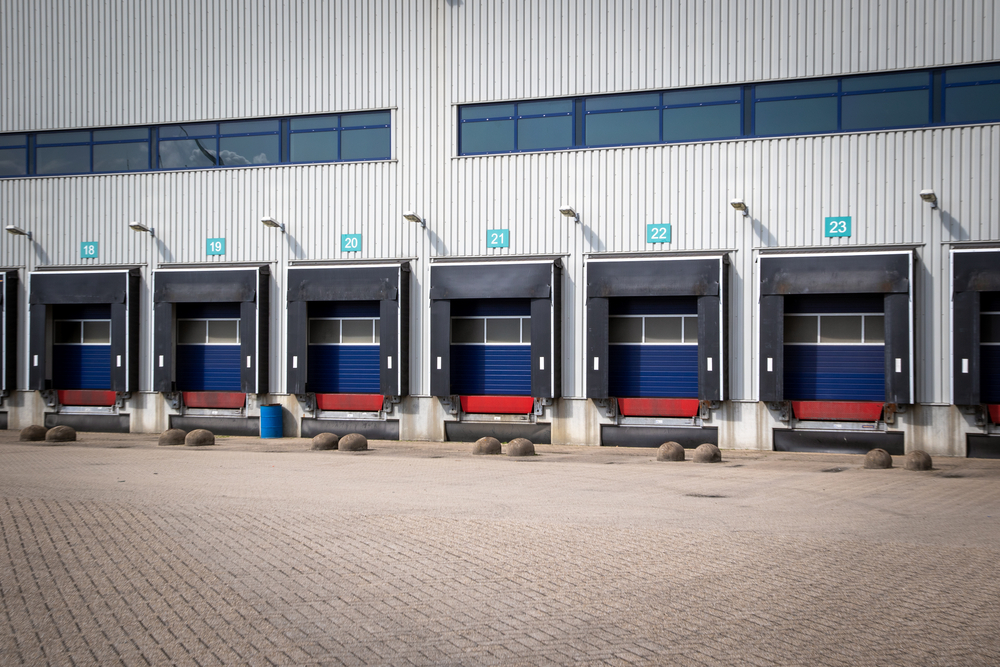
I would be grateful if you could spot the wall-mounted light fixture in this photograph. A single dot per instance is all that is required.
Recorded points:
(139, 227)
(17, 231)
(929, 197)
(413, 217)
(740, 206)
(271, 222)
(569, 212)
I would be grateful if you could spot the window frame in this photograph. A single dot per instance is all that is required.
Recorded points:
(936, 84)
(819, 327)
(206, 320)
(376, 330)
(684, 328)
(214, 139)
(81, 321)
(525, 328)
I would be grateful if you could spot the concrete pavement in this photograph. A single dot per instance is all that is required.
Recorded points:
(116, 551)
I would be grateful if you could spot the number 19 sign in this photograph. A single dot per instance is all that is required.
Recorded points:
(215, 247)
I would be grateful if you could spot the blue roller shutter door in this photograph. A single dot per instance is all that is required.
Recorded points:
(649, 366)
(208, 365)
(487, 367)
(834, 347)
(77, 362)
(342, 367)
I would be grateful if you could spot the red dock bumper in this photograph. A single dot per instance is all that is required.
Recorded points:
(350, 402)
(658, 407)
(225, 400)
(844, 411)
(498, 405)
(99, 397)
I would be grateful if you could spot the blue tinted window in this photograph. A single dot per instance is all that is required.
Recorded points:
(694, 123)
(487, 111)
(13, 139)
(13, 162)
(823, 87)
(623, 127)
(702, 96)
(315, 122)
(365, 119)
(314, 147)
(370, 144)
(545, 133)
(547, 107)
(62, 137)
(200, 130)
(490, 136)
(878, 110)
(132, 156)
(245, 151)
(815, 114)
(884, 81)
(249, 126)
(63, 160)
(972, 74)
(126, 134)
(187, 153)
(615, 102)
(971, 104)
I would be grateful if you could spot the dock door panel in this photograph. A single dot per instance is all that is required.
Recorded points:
(344, 339)
(81, 346)
(834, 347)
(653, 347)
(491, 347)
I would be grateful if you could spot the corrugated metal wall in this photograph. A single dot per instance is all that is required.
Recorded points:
(112, 63)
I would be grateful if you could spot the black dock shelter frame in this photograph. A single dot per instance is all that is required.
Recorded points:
(702, 277)
(539, 281)
(886, 273)
(249, 287)
(9, 284)
(890, 274)
(973, 272)
(8, 329)
(706, 278)
(118, 288)
(389, 285)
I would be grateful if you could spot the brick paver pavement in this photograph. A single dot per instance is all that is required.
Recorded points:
(261, 552)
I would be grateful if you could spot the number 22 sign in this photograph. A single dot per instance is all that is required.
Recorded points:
(837, 227)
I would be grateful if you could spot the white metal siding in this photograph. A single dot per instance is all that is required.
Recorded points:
(111, 63)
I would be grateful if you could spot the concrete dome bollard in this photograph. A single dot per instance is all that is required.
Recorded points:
(325, 441)
(61, 434)
(707, 453)
(353, 442)
(487, 445)
(199, 437)
(33, 433)
(520, 447)
(172, 436)
(878, 459)
(670, 451)
(918, 460)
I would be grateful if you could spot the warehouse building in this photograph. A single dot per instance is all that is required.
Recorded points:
(763, 224)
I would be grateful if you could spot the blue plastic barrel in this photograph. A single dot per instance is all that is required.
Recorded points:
(270, 421)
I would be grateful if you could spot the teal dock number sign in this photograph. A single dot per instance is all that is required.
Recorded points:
(837, 227)
(658, 234)
(497, 238)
